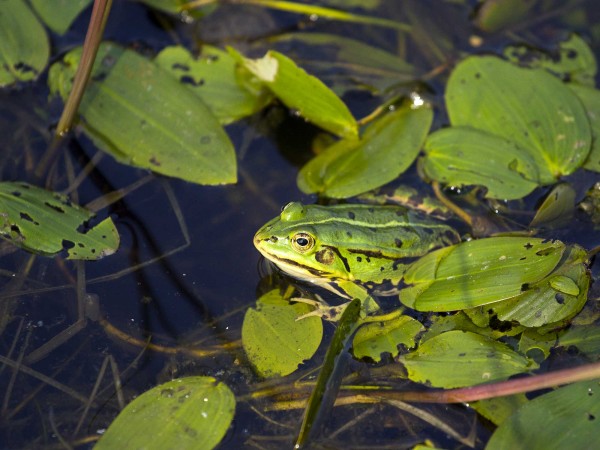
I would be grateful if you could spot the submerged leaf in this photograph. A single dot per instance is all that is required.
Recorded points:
(144, 117)
(185, 413)
(461, 358)
(275, 342)
(387, 148)
(302, 92)
(59, 14)
(48, 223)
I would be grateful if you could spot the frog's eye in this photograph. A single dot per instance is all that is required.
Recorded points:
(303, 242)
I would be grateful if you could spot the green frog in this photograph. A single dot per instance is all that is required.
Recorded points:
(350, 249)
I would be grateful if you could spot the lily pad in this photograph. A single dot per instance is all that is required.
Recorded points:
(144, 117)
(24, 46)
(459, 156)
(585, 338)
(387, 148)
(478, 272)
(528, 106)
(374, 338)
(48, 223)
(275, 342)
(461, 358)
(591, 101)
(186, 413)
(302, 92)
(568, 417)
(212, 76)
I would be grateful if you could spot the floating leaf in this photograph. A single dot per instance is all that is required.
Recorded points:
(24, 46)
(186, 413)
(460, 358)
(574, 60)
(591, 101)
(557, 208)
(568, 417)
(557, 297)
(498, 409)
(212, 76)
(585, 338)
(528, 106)
(478, 272)
(374, 338)
(387, 148)
(493, 15)
(144, 117)
(459, 156)
(302, 92)
(48, 223)
(59, 14)
(274, 340)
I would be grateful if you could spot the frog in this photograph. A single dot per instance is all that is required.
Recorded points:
(351, 250)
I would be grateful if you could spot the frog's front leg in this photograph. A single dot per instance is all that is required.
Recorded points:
(348, 290)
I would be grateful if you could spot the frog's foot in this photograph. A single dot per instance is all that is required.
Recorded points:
(322, 309)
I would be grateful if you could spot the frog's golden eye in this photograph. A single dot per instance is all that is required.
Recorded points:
(303, 242)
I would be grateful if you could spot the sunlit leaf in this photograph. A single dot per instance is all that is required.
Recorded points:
(535, 345)
(302, 92)
(585, 338)
(459, 156)
(387, 148)
(574, 61)
(185, 413)
(568, 417)
(528, 106)
(144, 117)
(375, 338)
(212, 76)
(274, 340)
(59, 14)
(24, 46)
(498, 409)
(478, 272)
(48, 223)
(458, 358)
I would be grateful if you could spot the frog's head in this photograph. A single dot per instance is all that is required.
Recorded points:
(294, 243)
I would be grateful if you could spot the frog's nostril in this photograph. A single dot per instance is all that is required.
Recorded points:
(273, 239)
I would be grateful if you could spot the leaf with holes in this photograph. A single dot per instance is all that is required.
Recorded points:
(48, 223)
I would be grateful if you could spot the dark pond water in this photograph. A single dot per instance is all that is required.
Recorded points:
(195, 296)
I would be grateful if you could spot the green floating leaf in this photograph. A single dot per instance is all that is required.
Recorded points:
(498, 409)
(212, 76)
(48, 223)
(591, 101)
(493, 15)
(375, 338)
(532, 342)
(275, 342)
(478, 272)
(528, 106)
(574, 61)
(568, 417)
(557, 297)
(302, 92)
(59, 14)
(186, 413)
(144, 117)
(459, 358)
(460, 156)
(24, 46)
(387, 148)
(557, 208)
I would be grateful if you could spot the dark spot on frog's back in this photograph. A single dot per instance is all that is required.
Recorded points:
(325, 256)
(398, 242)
(351, 215)
(349, 234)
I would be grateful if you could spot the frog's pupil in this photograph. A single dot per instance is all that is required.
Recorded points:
(302, 242)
